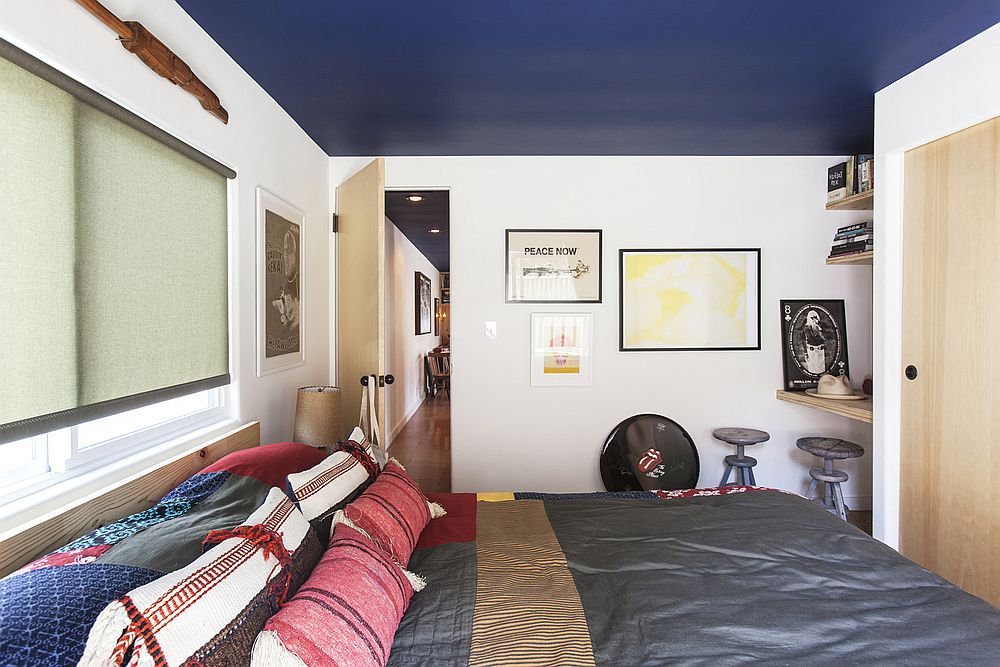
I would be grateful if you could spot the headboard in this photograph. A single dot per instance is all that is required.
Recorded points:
(133, 494)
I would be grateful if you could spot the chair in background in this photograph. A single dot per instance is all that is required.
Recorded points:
(830, 450)
(440, 368)
(741, 463)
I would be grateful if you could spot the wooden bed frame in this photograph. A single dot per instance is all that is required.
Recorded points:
(133, 494)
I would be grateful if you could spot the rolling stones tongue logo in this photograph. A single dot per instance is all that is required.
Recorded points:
(649, 459)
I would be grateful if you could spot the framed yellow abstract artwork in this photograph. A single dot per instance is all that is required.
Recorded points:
(701, 299)
(561, 349)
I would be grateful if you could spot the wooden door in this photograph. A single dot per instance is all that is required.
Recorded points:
(361, 288)
(950, 449)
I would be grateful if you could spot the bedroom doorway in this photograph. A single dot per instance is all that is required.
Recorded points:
(418, 333)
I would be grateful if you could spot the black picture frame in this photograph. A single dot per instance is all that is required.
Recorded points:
(509, 298)
(813, 335)
(437, 316)
(756, 252)
(422, 304)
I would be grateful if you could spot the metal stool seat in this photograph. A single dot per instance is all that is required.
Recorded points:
(830, 450)
(742, 464)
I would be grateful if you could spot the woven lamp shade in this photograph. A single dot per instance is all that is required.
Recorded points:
(318, 416)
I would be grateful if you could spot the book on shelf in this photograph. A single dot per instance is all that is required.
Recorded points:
(854, 176)
(836, 182)
(851, 249)
(865, 167)
(862, 238)
(859, 227)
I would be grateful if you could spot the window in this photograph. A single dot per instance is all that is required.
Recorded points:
(27, 464)
(114, 277)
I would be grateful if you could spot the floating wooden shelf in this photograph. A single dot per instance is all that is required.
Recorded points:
(860, 258)
(863, 201)
(859, 410)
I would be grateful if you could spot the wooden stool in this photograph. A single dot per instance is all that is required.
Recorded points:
(829, 449)
(741, 437)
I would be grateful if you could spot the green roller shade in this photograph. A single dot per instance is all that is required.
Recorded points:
(113, 277)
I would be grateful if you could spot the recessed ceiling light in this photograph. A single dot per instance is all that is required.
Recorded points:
(435, 231)
(415, 198)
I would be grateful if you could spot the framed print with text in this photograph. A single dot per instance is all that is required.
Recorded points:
(553, 265)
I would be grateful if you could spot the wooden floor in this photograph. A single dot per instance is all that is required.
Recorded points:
(861, 519)
(424, 445)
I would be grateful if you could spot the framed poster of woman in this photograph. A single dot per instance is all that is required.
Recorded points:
(813, 341)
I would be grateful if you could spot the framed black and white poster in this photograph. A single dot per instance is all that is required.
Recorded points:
(422, 303)
(280, 233)
(813, 341)
(553, 266)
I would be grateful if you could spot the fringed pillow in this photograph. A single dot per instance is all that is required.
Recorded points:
(346, 613)
(392, 511)
(327, 487)
(209, 612)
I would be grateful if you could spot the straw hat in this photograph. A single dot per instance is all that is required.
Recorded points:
(836, 387)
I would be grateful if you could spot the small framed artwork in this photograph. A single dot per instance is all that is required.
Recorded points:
(562, 346)
(690, 299)
(422, 303)
(813, 341)
(437, 316)
(553, 265)
(280, 292)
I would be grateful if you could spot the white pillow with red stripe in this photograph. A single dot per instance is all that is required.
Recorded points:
(335, 481)
(210, 611)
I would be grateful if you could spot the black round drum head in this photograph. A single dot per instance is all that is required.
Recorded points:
(649, 452)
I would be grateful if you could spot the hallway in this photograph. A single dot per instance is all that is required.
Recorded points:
(424, 445)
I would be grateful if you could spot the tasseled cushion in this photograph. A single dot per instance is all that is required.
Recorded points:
(393, 512)
(346, 613)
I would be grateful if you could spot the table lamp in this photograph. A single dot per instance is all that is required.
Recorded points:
(318, 416)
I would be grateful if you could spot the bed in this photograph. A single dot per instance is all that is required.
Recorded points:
(714, 576)
(707, 576)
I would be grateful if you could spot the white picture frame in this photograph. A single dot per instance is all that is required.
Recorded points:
(281, 294)
(562, 349)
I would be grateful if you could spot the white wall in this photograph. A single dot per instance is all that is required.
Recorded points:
(261, 142)
(507, 435)
(404, 349)
(957, 90)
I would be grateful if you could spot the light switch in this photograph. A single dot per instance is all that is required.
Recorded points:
(490, 330)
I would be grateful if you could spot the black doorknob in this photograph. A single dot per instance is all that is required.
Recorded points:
(911, 372)
(389, 379)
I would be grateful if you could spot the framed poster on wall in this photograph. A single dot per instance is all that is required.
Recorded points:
(562, 347)
(553, 265)
(813, 341)
(422, 303)
(280, 289)
(689, 299)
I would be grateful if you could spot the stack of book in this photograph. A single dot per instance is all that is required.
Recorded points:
(848, 178)
(853, 240)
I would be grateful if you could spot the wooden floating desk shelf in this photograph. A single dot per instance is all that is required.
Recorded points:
(859, 410)
(863, 201)
(847, 260)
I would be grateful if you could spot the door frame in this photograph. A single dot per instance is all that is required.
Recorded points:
(947, 104)
(412, 188)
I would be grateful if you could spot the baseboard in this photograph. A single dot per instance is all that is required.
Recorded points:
(406, 419)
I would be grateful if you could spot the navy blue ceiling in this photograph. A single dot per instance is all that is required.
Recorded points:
(585, 77)
(416, 219)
